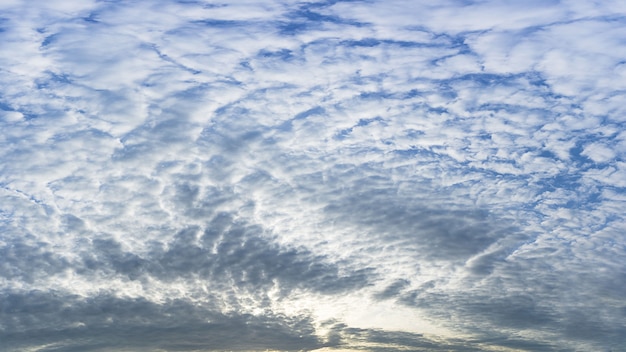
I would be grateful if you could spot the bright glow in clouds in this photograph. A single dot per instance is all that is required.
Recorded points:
(320, 176)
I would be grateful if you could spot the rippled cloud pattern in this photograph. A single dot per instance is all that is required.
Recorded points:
(312, 175)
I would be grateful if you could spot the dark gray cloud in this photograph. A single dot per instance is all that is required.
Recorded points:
(28, 262)
(61, 322)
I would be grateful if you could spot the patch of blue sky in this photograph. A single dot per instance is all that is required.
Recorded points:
(564, 180)
(485, 79)
(281, 54)
(318, 110)
(194, 2)
(218, 23)
(415, 151)
(453, 41)
(303, 19)
(26, 112)
(49, 40)
(376, 95)
(343, 134)
(582, 161)
(390, 43)
(437, 110)
(92, 18)
(496, 108)
(53, 79)
(293, 28)
(365, 122)
(5, 106)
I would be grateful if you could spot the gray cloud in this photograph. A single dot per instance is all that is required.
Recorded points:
(231, 253)
(72, 323)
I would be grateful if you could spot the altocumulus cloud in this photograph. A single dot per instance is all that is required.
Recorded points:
(321, 175)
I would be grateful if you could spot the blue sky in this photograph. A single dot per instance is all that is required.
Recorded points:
(312, 175)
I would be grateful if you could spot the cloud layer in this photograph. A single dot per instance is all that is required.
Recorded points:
(322, 175)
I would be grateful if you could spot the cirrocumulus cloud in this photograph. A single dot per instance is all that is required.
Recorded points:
(317, 175)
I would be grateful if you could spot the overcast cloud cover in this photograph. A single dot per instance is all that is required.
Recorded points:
(375, 175)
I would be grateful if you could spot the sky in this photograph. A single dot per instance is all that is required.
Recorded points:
(316, 175)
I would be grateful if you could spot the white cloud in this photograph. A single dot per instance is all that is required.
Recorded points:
(598, 152)
(277, 166)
